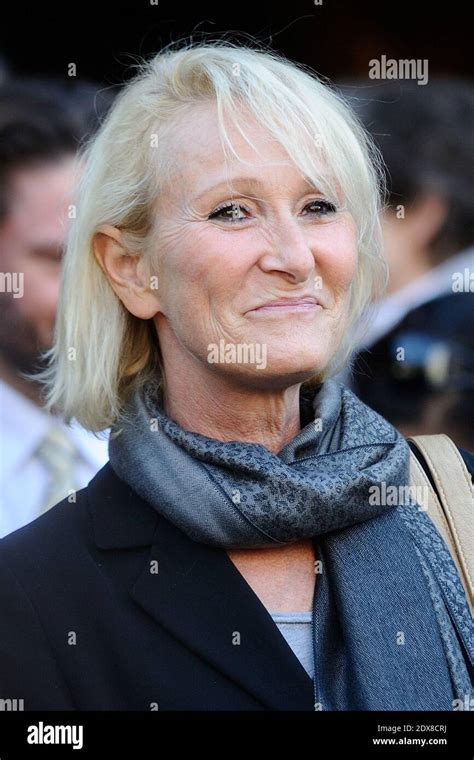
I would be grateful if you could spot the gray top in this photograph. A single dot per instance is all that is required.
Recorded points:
(296, 628)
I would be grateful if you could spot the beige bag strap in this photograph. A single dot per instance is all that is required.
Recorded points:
(451, 506)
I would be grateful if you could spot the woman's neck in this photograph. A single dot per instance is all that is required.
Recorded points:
(214, 407)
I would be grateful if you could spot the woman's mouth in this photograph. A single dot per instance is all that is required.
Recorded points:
(284, 305)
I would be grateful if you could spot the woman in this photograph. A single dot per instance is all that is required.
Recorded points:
(231, 554)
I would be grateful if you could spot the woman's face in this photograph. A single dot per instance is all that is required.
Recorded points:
(253, 263)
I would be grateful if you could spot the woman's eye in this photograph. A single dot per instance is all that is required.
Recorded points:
(322, 207)
(229, 212)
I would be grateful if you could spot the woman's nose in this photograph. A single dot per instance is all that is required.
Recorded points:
(289, 252)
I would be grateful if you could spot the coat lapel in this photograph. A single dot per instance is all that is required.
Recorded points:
(197, 594)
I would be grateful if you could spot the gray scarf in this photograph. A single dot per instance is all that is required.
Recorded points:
(317, 483)
(376, 579)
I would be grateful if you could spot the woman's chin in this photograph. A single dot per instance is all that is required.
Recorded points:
(290, 356)
(276, 374)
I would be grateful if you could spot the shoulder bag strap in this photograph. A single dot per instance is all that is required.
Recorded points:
(450, 504)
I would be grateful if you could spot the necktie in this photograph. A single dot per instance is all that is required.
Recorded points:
(58, 454)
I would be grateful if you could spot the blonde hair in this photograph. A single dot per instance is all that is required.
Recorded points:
(101, 352)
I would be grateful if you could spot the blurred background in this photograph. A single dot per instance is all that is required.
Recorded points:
(405, 68)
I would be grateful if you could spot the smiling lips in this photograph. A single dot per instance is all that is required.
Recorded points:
(303, 304)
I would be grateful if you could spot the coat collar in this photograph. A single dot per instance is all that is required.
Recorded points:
(199, 596)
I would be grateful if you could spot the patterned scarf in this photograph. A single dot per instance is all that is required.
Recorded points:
(380, 637)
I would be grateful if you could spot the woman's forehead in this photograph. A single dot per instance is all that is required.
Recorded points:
(201, 162)
(257, 174)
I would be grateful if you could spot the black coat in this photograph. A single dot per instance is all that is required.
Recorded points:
(87, 623)
(143, 640)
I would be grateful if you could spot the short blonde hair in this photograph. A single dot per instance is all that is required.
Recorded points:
(101, 352)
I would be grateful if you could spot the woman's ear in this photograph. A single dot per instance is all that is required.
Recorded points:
(126, 272)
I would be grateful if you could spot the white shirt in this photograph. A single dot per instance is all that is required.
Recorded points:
(24, 477)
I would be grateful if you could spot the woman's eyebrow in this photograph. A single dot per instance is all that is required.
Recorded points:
(249, 182)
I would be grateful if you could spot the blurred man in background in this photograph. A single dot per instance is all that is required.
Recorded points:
(42, 125)
(416, 366)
